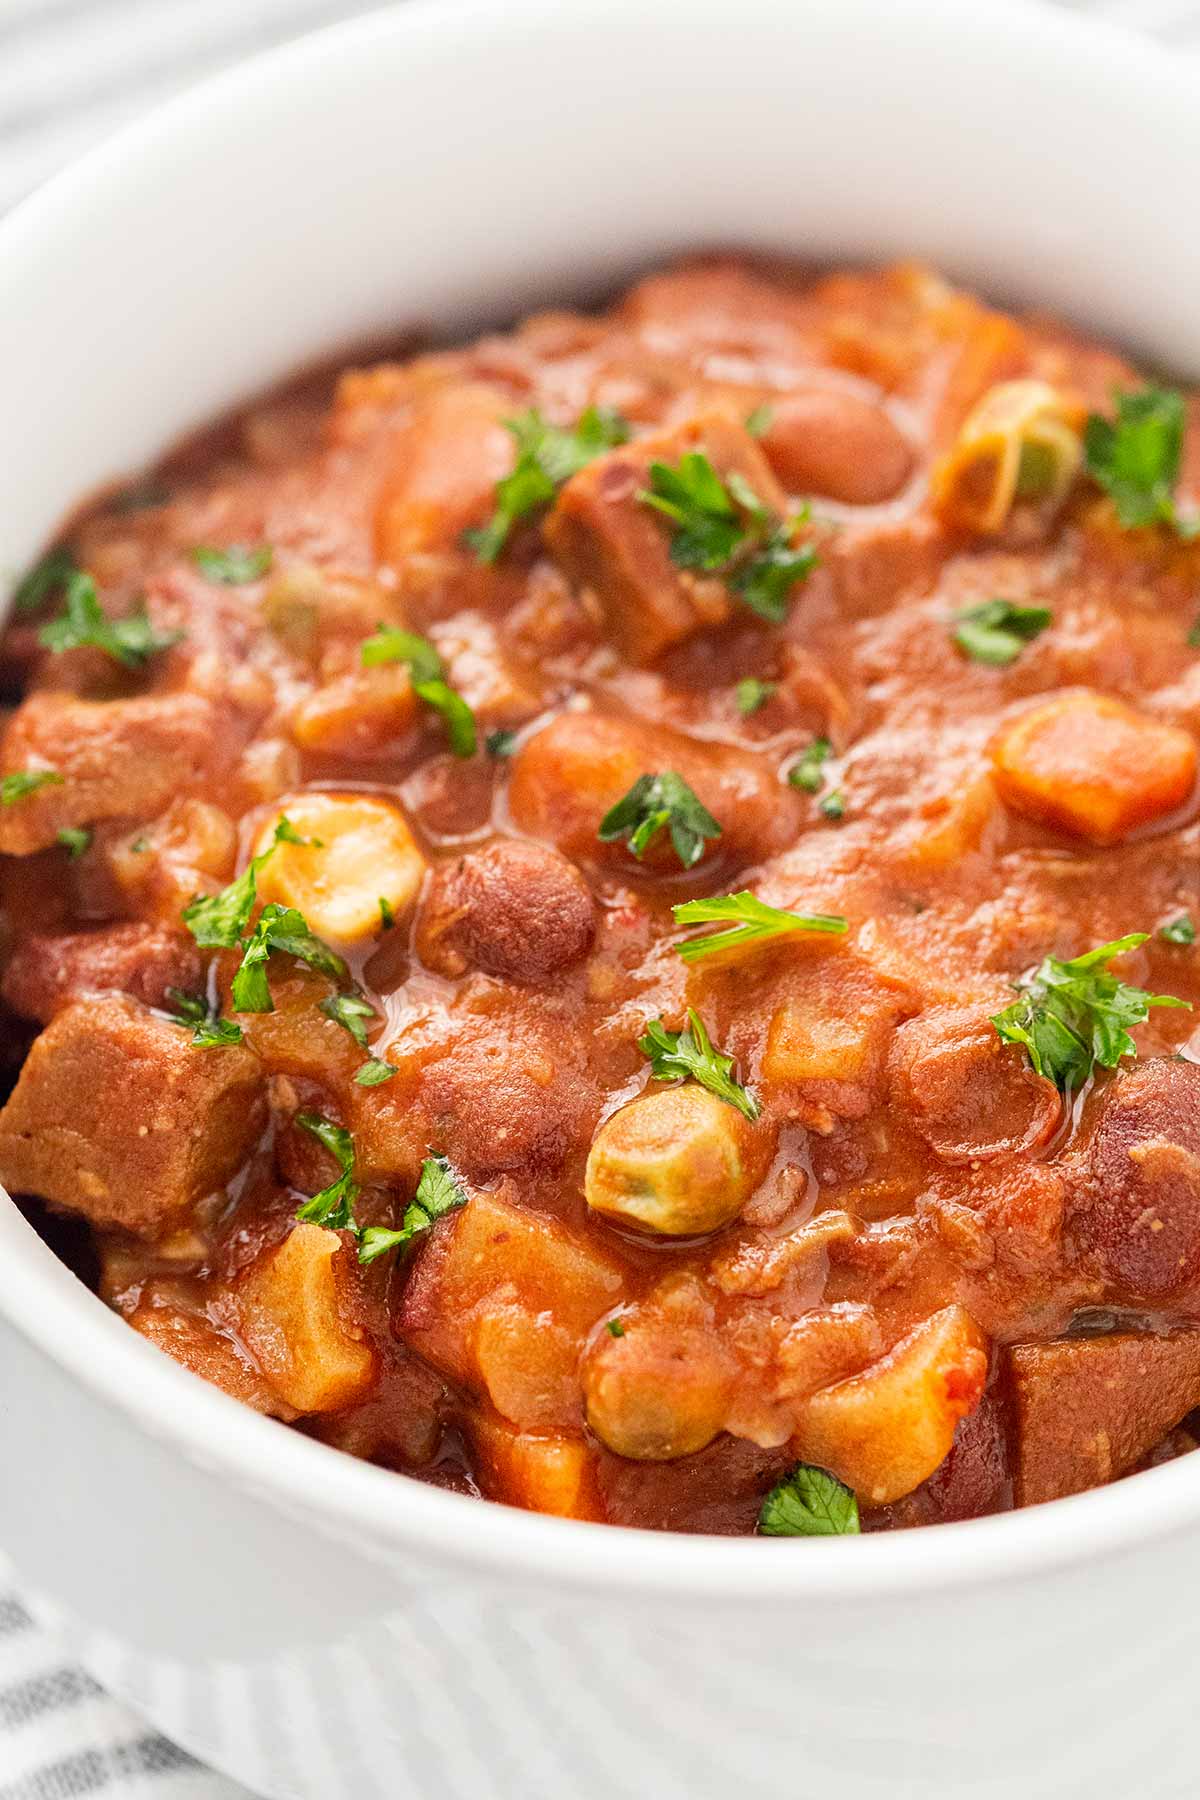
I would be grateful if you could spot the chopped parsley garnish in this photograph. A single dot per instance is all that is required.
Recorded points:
(1193, 636)
(833, 806)
(21, 782)
(333, 1207)
(722, 527)
(209, 1030)
(660, 803)
(689, 1054)
(131, 641)
(996, 631)
(759, 420)
(752, 693)
(1178, 931)
(547, 455)
(374, 1072)
(1136, 457)
(218, 921)
(750, 919)
(387, 913)
(439, 1191)
(46, 577)
(428, 675)
(279, 928)
(810, 1503)
(75, 840)
(500, 743)
(615, 1328)
(351, 1011)
(235, 565)
(1072, 1015)
(807, 772)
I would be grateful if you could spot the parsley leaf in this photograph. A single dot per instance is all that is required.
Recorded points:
(690, 1054)
(766, 581)
(279, 928)
(333, 1207)
(751, 693)
(1072, 1015)
(500, 743)
(46, 577)
(1178, 931)
(217, 921)
(833, 806)
(996, 631)
(759, 420)
(810, 1503)
(1193, 636)
(14, 787)
(1136, 457)
(209, 1030)
(615, 1328)
(547, 455)
(426, 669)
(131, 641)
(234, 566)
(722, 527)
(751, 922)
(656, 803)
(351, 1011)
(75, 840)
(807, 772)
(439, 1191)
(374, 1072)
(387, 913)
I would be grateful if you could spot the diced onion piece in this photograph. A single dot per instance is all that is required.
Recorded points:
(365, 854)
(1022, 441)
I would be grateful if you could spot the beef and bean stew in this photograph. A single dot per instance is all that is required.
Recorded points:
(607, 918)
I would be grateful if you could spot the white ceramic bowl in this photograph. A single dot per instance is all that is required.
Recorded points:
(318, 1627)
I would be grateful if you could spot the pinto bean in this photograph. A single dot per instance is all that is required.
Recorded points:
(838, 445)
(1139, 1212)
(566, 777)
(516, 910)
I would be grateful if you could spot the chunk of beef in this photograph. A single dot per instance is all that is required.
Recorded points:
(1089, 1409)
(609, 540)
(513, 909)
(117, 758)
(118, 1117)
(964, 1090)
(1139, 1211)
(49, 972)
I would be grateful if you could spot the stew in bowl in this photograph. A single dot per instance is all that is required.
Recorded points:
(607, 917)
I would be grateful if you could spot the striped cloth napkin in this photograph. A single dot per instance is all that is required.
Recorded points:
(70, 72)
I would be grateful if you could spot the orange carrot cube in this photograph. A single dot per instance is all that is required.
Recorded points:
(1092, 766)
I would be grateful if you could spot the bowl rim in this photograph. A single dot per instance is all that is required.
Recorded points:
(384, 1512)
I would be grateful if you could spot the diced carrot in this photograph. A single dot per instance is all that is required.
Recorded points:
(543, 1474)
(1090, 765)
